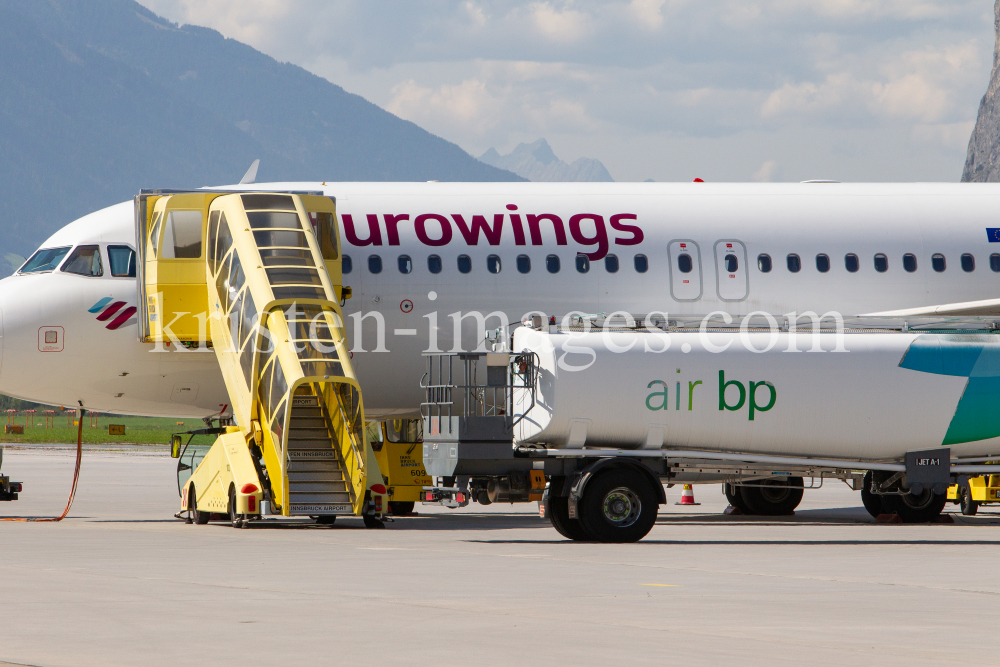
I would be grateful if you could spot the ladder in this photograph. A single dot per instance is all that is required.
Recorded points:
(256, 277)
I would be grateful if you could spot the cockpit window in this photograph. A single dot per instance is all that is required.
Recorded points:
(85, 260)
(122, 260)
(46, 259)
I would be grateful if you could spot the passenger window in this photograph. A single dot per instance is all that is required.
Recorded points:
(493, 264)
(374, 264)
(405, 264)
(346, 264)
(122, 261)
(523, 264)
(909, 262)
(881, 263)
(684, 263)
(85, 261)
(764, 263)
(851, 262)
(46, 259)
(822, 263)
(582, 263)
(938, 263)
(182, 235)
(732, 264)
(968, 263)
(464, 264)
(794, 263)
(995, 263)
(434, 263)
(611, 263)
(552, 263)
(641, 264)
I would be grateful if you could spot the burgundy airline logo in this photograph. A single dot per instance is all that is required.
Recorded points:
(118, 312)
(434, 229)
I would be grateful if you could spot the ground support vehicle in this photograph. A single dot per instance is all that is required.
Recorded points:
(255, 279)
(8, 489)
(397, 444)
(503, 424)
(975, 492)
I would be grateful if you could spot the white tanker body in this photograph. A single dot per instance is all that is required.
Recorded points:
(882, 395)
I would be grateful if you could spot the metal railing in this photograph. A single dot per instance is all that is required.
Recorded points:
(451, 392)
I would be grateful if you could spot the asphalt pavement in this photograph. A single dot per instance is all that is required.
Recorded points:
(122, 582)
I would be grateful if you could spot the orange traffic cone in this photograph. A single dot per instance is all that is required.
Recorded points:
(687, 496)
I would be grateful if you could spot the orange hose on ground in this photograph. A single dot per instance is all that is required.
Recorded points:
(72, 491)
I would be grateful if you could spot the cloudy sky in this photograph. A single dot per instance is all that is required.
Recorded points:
(726, 90)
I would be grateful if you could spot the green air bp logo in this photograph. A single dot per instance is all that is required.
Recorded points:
(733, 395)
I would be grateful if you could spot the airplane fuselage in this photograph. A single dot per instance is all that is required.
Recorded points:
(433, 264)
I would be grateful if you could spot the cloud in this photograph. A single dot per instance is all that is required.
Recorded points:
(655, 76)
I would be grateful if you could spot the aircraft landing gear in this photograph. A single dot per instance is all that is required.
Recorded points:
(768, 497)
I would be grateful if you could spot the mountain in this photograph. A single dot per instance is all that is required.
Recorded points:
(537, 162)
(99, 98)
(982, 164)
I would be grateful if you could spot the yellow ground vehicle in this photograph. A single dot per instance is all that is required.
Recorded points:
(256, 276)
(398, 446)
(981, 490)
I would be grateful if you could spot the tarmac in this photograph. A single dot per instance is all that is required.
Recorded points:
(122, 582)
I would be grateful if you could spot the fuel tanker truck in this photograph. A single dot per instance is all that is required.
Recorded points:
(591, 417)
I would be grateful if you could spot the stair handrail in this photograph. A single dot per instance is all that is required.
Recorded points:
(350, 433)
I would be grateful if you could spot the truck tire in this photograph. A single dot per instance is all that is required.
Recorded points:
(968, 505)
(915, 508)
(200, 518)
(234, 518)
(773, 497)
(871, 501)
(618, 506)
(733, 496)
(557, 509)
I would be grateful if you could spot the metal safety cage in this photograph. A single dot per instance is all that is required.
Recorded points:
(481, 389)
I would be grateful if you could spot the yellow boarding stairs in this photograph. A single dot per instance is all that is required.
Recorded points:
(257, 277)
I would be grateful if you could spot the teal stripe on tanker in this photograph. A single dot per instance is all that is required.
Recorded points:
(976, 357)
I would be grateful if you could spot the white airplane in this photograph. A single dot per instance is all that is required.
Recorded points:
(433, 266)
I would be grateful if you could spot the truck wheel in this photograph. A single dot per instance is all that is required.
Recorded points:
(618, 506)
(234, 518)
(871, 501)
(200, 518)
(734, 498)
(557, 509)
(372, 521)
(916, 508)
(968, 505)
(774, 497)
(400, 507)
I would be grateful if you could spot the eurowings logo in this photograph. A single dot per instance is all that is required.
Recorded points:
(109, 309)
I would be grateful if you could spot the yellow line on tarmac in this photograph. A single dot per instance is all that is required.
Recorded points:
(663, 585)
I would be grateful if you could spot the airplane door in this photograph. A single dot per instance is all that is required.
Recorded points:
(731, 270)
(685, 270)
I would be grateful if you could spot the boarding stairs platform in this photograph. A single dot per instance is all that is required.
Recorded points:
(256, 277)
